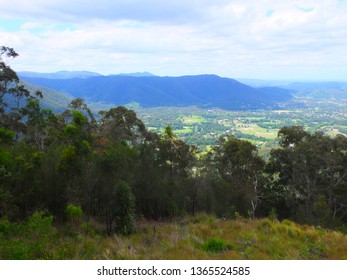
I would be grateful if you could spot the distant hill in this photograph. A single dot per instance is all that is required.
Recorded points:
(276, 90)
(136, 74)
(76, 74)
(314, 90)
(263, 83)
(52, 99)
(301, 86)
(319, 90)
(58, 75)
(152, 91)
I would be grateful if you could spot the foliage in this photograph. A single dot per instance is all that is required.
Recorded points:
(28, 240)
(74, 212)
(215, 245)
(124, 211)
(312, 167)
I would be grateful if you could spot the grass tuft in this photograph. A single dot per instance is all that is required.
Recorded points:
(215, 245)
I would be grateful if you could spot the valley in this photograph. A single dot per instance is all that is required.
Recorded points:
(203, 127)
(201, 109)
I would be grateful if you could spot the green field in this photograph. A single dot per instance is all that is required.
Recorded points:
(203, 127)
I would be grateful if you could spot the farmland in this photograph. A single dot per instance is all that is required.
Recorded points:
(203, 127)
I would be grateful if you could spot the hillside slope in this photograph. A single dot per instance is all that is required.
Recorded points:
(199, 237)
(52, 99)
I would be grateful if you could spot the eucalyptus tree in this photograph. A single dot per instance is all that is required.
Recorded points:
(313, 170)
(118, 137)
(177, 159)
(8, 77)
(239, 168)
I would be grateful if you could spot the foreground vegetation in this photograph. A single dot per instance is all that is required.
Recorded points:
(199, 237)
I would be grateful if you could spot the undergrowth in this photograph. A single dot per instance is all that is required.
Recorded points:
(199, 237)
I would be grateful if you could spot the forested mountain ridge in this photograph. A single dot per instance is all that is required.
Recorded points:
(52, 99)
(320, 90)
(152, 91)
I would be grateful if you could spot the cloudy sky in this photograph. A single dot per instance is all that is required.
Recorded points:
(265, 39)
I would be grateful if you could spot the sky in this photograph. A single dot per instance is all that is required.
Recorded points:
(259, 39)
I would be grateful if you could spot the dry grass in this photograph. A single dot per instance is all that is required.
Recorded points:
(245, 239)
(187, 238)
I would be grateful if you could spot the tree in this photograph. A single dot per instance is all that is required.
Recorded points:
(115, 163)
(291, 136)
(240, 167)
(177, 161)
(7, 75)
(148, 185)
(12, 93)
(43, 128)
(120, 124)
(77, 165)
(74, 213)
(314, 172)
(334, 171)
(124, 208)
(78, 104)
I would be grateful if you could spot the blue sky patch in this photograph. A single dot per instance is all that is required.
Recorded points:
(306, 10)
(12, 25)
(269, 12)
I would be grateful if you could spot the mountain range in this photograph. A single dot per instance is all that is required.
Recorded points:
(206, 91)
(59, 74)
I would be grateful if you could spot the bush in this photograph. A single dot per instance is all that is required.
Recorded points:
(29, 240)
(215, 245)
(124, 210)
(5, 228)
(273, 214)
(74, 213)
(39, 227)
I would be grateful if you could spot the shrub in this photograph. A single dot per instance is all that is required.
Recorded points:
(265, 225)
(39, 226)
(273, 214)
(313, 250)
(88, 229)
(5, 228)
(29, 240)
(215, 245)
(124, 210)
(74, 213)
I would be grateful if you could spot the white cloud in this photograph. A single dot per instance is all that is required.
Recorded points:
(150, 10)
(264, 39)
